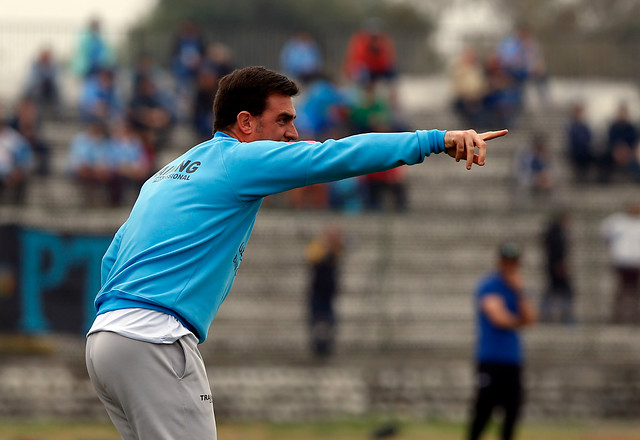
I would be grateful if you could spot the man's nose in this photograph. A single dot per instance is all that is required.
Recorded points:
(292, 133)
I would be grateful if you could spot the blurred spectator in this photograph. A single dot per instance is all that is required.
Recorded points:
(145, 67)
(301, 57)
(503, 308)
(535, 177)
(15, 163)
(499, 102)
(324, 256)
(93, 54)
(100, 97)
(218, 58)
(27, 120)
(371, 54)
(622, 233)
(470, 88)
(372, 112)
(322, 109)
(558, 299)
(151, 110)
(186, 56)
(322, 114)
(622, 147)
(43, 82)
(129, 161)
(579, 144)
(521, 57)
(90, 164)
(206, 87)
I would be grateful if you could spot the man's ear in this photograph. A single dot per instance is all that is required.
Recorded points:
(245, 122)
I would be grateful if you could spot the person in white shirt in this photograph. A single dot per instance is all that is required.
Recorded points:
(622, 233)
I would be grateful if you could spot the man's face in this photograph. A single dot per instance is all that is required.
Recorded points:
(276, 122)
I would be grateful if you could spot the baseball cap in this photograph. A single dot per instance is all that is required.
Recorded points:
(509, 249)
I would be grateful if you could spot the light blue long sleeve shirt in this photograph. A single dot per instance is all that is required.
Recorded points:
(180, 248)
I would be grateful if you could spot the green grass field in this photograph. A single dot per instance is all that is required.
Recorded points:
(338, 430)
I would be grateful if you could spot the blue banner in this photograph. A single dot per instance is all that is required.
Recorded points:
(48, 280)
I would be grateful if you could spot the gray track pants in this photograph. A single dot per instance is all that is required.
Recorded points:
(152, 391)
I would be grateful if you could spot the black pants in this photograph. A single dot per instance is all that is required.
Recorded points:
(497, 386)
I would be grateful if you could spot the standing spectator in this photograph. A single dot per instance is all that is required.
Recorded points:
(27, 120)
(93, 54)
(324, 254)
(622, 233)
(371, 54)
(43, 82)
(533, 171)
(186, 56)
(15, 163)
(90, 164)
(579, 144)
(622, 146)
(100, 97)
(502, 309)
(301, 57)
(557, 301)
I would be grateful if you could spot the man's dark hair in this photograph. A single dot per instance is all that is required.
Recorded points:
(247, 89)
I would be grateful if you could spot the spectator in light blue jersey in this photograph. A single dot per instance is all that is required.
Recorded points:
(301, 57)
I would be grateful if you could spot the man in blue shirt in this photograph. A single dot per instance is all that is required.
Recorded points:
(503, 308)
(172, 263)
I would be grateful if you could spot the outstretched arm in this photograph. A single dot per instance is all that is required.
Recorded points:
(461, 144)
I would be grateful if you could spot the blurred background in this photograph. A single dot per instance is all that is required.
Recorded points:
(356, 297)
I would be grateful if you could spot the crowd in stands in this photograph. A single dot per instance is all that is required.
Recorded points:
(489, 90)
(143, 103)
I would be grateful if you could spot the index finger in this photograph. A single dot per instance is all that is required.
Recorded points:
(488, 135)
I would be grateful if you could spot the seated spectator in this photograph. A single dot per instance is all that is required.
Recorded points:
(146, 67)
(100, 97)
(90, 164)
(579, 144)
(470, 87)
(301, 57)
(218, 58)
(150, 109)
(321, 115)
(534, 172)
(371, 112)
(43, 82)
(15, 164)
(130, 162)
(621, 155)
(93, 54)
(322, 110)
(501, 103)
(371, 54)
(27, 121)
(521, 57)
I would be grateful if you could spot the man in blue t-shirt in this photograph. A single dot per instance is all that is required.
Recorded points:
(503, 308)
(173, 262)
